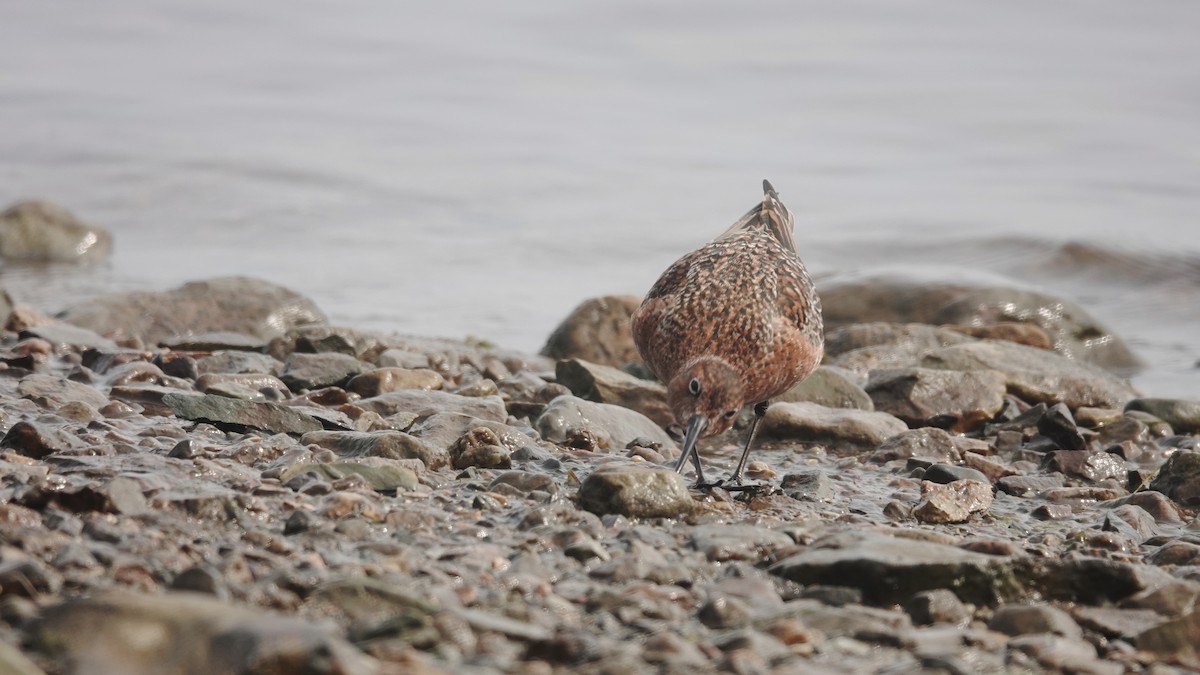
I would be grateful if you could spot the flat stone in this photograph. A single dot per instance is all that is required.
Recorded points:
(1182, 415)
(213, 341)
(597, 331)
(232, 361)
(382, 444)
(831, 387)
(425, 403)
(948, 473)
(841, 428)
(605, 384)
(36, 440)
(721, 541)
(1052, 511)
(1027, 619)
(927, 443)
(910, 339)
(1160, 508)
(919, 395)
(64, 336)
(249, 386)
(130, 633)
(939, 605)
(383, 380)
(989, 467)
(1116, 623)
(952, 502)
(889, 570)
(1036, 375)
(235, 304)
(636, 492)
(312, 371)
(380, 474)
(1028, 486)
(222, 411)
(54, 392)
(811, 485)
(612, 427)
(1175, 640)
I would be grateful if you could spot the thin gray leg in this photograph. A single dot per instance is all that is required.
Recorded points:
(760, 410)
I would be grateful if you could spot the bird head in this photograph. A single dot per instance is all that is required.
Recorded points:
(705, 397)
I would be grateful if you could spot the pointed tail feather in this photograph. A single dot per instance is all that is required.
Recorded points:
(770, 215)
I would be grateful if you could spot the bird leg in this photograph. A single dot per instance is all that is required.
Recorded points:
(760, 411)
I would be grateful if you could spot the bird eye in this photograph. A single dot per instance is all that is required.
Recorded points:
(729, 414)
(694, 387)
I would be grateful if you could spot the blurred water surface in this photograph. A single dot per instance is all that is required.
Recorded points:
(479, 167)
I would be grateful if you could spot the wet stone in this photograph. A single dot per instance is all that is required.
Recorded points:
(423, 403)
(312, 371)
(597, 331)
(37, 440)
(1028, 486)
(948, 473)
(952, 502)
(1059, 426)
(1052, 511)
(63, 336)
(231, 361)
(612, 426)
(605, 384)
(1174, 640)
(1091, 466)
(927, 442)
(989, 467)
(811, 485)
(841, 428)
(1179, 478)
(831, 387)
(480, 447)
(635, 492)
(939, 605)
(1156, 504)
(737, 542)
(55, 392)
(384, 444)
(918, 395)
(214, 341)
(1182, 415)
(381, 475)
(1116, 623)
(222, 411)
(1026, 619)
(1036, 375)
(383, 380)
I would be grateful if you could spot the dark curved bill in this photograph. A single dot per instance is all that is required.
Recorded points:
(695, 427)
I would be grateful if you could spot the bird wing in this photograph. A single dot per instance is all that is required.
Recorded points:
(769, 215)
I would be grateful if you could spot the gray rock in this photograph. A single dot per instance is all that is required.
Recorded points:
(53, 392)
(1116, 623)
(231, 361)
(612, 426)
(808, 485)
(905, 298)
(222, 411)
(1156, 504)
(890, 569)
(237, 304)
(926, 442)
(605, 384)
(636, 492)
(1061, 654)
(1036, 375)
(65, 336)
(400, 358)
(383, 380)
(313, 371)
(1182, 415)
(36, 440)
(1092, 466)
(422, 403)
(939, 605)
(719, 541)
(1059, 426)
(948, 473)
(1028, 486)
(840, 428)
(192, 633)
(1179, 477)
(920, 395)
(1027, 619)
(597, 331)
(480, 447)
(40, 231)
(382, 444)
(248, 386)
(907, 341)
(214, 341)
(383, 475)
(831, 387)
(952, 502)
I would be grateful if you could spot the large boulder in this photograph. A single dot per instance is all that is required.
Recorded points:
(903, 298)
(597, 331)
(236, 304)
(40, 231)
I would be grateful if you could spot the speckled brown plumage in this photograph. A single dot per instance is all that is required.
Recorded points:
(735, 322)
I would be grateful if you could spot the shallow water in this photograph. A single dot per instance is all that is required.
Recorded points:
(478, 168)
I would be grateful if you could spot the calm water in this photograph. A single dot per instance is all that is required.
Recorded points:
(480, 167)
